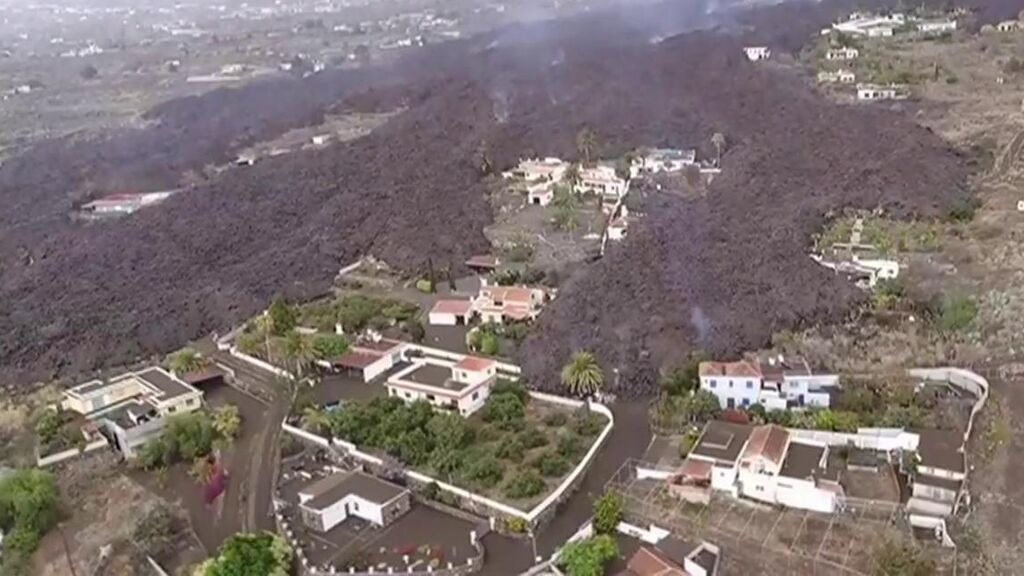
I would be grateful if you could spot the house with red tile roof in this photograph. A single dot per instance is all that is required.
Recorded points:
(369, 358)
(461, 386)
(777, 383)
(500, 304)
(451, 313)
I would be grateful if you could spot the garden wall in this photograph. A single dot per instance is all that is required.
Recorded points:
(260, 363)
(883, 439)
(52, 459)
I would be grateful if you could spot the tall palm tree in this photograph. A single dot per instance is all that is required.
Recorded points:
(718, 141)
(185, 360)
(582, 375)
(586, 144)
(315, 420)
(299, 351)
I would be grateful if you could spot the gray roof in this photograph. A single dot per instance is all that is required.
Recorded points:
(801, 461)
(164, 382)
(941, 449)
(327, 491)
(946, 483)
(436, 376)
(675, 549)
(722, 441)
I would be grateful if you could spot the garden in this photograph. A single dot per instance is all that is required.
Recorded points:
(515, 449)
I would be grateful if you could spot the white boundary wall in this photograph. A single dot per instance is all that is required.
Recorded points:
(466, 494)
(260, 363)
(883, 439)
(71, 453)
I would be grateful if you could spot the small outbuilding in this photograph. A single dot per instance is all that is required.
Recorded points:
(332, 500)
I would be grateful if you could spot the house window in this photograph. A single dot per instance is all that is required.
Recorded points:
(712, 384)
(750, 384)
(730, 383)
(431, 398)
(355, 505)
(476, 395)
(746, 401)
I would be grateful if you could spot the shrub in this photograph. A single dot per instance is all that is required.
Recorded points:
(283, 318)
(515, 524)
(556, 419)
(524, 484)
(511, 448)
(958, 311)
(504, 410)
(533, 438)
(425, 285)
(588, 557)
(550, 464)
(588, 424)
(570, 446)
(265, 553)
(485, 472)
(607, 513)
(896, 559)
(514, 387)
(28, 509)
(327, 346)
(489, 344)
(487, 433)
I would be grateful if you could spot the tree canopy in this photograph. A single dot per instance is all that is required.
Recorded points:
(588, 557)
(28, 509)
(283, 317)
(583, 376)
(185, 360)
(263, 554)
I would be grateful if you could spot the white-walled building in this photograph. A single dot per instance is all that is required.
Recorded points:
(461, 386)
(757, 53)
(842, 54)
(840, 76)
(451, 313)
(936, 26)
(663, 160)
(604, 181)
(534, 170)
(1009, 26)
(873, 92)
(500, 304)
(369, 358)
(938, 479)
(871, 25)
(777, 383)
(330, 501)
(540, 194)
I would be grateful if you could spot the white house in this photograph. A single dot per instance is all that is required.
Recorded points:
(330, 501)
(118, 204)
(321, 139)
(540, 193)
(451, 313)
(132, 407)
(870, 92)
(868, 272)
(1009, 26)
(500, 304)
(870, 25)
(369, 358)
(664, 160)
(712, 463)
(602, 180)
(842, 54)
(777, 383)
(757, 53)
(838, 76)
(936, 26)
(548, 169)
(461, 386)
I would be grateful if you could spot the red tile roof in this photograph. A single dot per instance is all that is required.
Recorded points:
(693, 468)
(513, 294)
(457, 307)
(739, 369)
(474, 364)
(768, 442)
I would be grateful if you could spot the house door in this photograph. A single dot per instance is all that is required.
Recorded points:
(730, 402)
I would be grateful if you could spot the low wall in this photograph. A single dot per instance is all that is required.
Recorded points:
(865, 438)
(307, 436)
(455, 356)
(52, 459)
(260, 363)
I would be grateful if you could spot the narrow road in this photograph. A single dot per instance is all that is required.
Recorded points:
(261, 473)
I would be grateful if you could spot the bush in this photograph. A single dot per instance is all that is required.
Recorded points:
(266, 554)
(588, 424)
(570, 446)
(607, 513)
(556, 419)
(326, 346)
(515, 524)
(896, 559)
(533, 438)
(28, 509)
(588, 557)
(504, 410)
(958, 311)
(489, 344)
(485, 472)
(425, 285)
(283, 318)
(524, 484)
(511, 448)
(514, 387)
(550, 464)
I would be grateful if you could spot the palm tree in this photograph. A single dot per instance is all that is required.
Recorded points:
(315, 420)
(718, 141)
(299, 350)
(583, 376)
(185, 360)
(586, 144)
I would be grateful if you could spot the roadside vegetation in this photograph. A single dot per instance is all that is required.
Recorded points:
(681, 406)
(192, 438)
(514, 447)
(589, 556)
(263, 554)
(28, 510)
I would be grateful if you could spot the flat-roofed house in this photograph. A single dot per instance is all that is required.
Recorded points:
(807, 481)
(500, 304)
(842, 54)
(544, 169)
(936, 26)
(940, 474)
(602, 180)
(132, 407)
(371, 358)
(330, 501)
(757, 53)
(451, 313)
(461, 386)
(540, 194)
(720, 445)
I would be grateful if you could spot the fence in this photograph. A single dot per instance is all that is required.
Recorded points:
(52, 459)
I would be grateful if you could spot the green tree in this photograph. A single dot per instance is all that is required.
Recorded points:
(681, 380)
(251, 343)
(607, 513)
(327, 346)
(283, 318)
(704, 406)
(188, 436)
(718, 141)
(582, 376)
(505, 410)
(226, 421)
(28, 509)
(185, 360)
(586, 144)
(588, 557)
(263, 554)
(298, 349)
(551, 464)
(315, 420)
(488, 344)
(486, 472)
(524, 484)
(48, 426)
